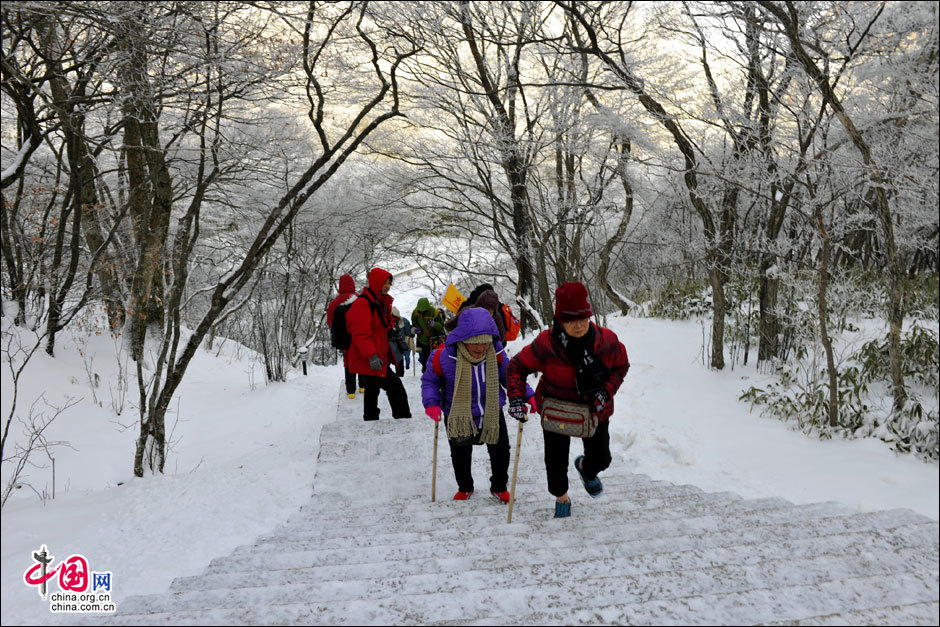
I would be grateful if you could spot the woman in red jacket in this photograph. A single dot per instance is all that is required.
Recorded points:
(370, 355)
(582, 363)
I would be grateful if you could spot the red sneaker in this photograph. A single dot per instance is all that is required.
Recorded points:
(462, 496)
(502, 496)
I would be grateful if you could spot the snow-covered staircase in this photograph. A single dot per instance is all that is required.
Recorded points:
(371, 548)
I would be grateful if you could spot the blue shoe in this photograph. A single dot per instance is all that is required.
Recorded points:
(563, 510)
(593, 486)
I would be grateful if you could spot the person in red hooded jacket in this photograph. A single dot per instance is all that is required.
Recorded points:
(580, 362)
(370, 355)
(347, 294)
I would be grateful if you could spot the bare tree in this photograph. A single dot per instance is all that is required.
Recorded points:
(792, 25)
(326, 32)
(604, 41)
(472, 75)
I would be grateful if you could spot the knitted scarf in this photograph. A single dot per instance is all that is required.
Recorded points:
(460, 421)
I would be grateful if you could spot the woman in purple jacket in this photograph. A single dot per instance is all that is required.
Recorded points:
(465, 382)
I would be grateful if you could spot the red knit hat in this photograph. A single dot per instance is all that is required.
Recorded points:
(571, 302)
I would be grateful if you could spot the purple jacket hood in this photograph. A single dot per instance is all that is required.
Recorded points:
(473, 321)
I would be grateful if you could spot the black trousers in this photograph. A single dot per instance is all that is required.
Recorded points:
(461, 455)
(424, 353)
(596, 456)
(397, 396)
(351, 381)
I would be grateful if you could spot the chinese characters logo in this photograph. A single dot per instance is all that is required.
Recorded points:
(74, 579)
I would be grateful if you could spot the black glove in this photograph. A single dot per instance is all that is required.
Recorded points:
(517, 409)
(601, 398)
(375, 363)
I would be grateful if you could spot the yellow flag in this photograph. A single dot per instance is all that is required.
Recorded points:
(453, 298)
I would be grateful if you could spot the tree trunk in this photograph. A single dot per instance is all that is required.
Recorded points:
(603, 270)
(717, 281)
(521, 232)
(562, 210)
(824, 323)
(151, 440)
(544, 291)
(150, 190)
(12, 257)
(769, 329)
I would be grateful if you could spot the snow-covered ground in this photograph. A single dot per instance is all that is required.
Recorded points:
(243, 455)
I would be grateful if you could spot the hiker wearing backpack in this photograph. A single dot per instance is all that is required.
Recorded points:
(465, 385)
(345, 298)
(428, 322)
(582, 366)
(370, 355)
(484, 296)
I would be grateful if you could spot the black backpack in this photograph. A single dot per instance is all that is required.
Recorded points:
(339, 334)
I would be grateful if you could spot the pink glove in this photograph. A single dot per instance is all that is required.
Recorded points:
(532, 407)
(434, 413)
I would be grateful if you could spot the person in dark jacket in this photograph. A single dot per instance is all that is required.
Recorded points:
(465, 383)
(487, 300)
(347, 294)
(407, 331)
(580, 362)
(398, 342)
(369, 320)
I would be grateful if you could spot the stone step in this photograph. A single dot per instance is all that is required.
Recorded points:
(764, 606)
(421, 488)
(404, 510)
(457, 528)
(340, 478)
(569, 533)
(330, 513)
(483, 516)
(768, 590)
(628, 556)
(912, 614)
(599, 522)
(340, 481)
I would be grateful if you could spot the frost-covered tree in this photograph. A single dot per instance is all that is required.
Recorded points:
(817, 34)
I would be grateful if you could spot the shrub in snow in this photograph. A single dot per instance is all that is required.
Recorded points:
(680, 301)
(801, 395)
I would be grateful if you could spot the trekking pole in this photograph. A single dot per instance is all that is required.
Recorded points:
(515, 471)
(434, 470)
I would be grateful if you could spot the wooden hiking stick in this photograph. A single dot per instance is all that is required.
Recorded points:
(434, 470)
(515, 471)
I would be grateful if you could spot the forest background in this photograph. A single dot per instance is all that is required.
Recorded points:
(178, 174)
